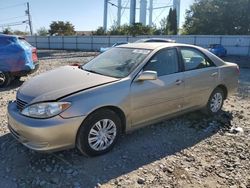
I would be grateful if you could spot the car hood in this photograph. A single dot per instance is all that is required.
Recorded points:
(58, 83)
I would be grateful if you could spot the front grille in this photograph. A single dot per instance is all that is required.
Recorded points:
(20, 104)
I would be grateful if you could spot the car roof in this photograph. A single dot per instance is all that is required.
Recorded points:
(7, 36)
(125, 42)
(153, 45)
(155, 40)
(4, 36)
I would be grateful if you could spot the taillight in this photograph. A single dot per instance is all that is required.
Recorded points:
(34, 55)
(75, 65)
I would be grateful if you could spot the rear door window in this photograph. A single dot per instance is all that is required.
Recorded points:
(194, 59)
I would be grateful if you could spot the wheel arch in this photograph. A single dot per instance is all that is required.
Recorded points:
(115, 109)
(224, 89)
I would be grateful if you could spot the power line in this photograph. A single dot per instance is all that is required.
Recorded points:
(12, 6)
(11, 18)
(159, 15)
(110, 17)
(124, 10)
(14, 23)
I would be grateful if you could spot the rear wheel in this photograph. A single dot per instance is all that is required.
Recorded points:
(98, 133)
(215, 101)
(5, 79)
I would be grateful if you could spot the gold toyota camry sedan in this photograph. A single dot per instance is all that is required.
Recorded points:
(123, 89)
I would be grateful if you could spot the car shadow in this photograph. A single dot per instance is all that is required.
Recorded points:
(13, 85)
(20, 166)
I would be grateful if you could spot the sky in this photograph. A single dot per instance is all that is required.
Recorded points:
(85, 15)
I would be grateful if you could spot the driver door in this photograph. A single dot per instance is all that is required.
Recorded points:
(153, 99)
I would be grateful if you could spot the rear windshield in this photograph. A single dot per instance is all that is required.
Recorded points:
(25, 43)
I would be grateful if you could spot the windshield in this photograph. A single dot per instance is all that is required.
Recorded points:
(117, 62)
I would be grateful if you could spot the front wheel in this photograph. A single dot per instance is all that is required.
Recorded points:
(215, 101)
(5, 79)
(98, 133)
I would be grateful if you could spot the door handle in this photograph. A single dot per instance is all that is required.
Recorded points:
(178, 82)
(214, 74)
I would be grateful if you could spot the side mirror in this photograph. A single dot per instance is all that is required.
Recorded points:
(147, 75)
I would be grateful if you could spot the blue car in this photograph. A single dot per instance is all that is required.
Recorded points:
(17, 58)
(103, 49)
(218, 50)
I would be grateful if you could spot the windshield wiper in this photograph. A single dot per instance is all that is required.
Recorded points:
(92, 71)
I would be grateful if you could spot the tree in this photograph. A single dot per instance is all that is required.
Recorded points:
(18, 32)
(99, 31)
(163, 24)
(135, 29)
(169, 24)
(61, 28)
(174, 27)
(42, 31)
(227, 17)
(7, 31)
(119, 30)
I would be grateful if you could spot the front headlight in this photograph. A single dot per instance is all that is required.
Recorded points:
(45, 110)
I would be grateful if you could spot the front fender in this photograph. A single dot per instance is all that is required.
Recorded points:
(114, 94)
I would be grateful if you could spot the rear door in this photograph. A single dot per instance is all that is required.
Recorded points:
(153, 99)
(200, 77)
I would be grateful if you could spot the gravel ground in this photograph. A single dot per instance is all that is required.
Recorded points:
(189, 151)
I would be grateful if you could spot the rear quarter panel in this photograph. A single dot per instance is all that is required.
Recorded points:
(229, 76)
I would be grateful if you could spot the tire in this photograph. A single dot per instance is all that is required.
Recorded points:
(87, 136)
(17, 78)
(215, 102)
(5, 79)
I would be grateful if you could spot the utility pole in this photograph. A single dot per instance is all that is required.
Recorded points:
(132, 12)
(143, 12)
(176, 6)
(29, 18)
(150, 13)
(119, 10)
(105, 16)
